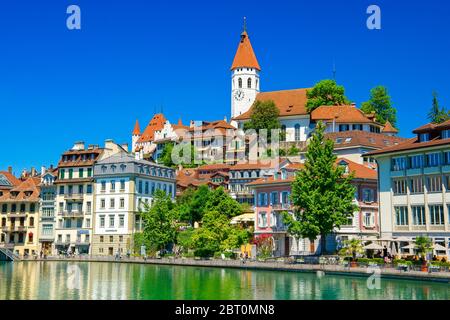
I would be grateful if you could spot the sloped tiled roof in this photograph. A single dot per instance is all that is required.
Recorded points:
(245, 56)
(389, 128)
(289, 102)
(340, 114)
(157, 123)
(411, 144)
(11, 178)
(346, 139)
(137, 129)
(27, 190)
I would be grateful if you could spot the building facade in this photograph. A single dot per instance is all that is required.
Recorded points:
(47, 217)
(414, 187)
(123, 186)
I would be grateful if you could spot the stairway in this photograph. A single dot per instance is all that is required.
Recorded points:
(8, 254)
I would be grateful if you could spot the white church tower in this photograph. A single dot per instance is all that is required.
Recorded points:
(244, 76)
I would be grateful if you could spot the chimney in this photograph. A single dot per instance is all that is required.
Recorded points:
(10, 169)
(225, 118)
(192, 124)
(79, 145)
(33, 171)
(124, 146)
(42, 170)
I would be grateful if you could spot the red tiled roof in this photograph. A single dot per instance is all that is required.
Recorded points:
(216, 166)
(27, 190)
(157, 123)
(11, 178)
(245, 56)
(389, 128)
(346, 139)
(289, 102)
(411, 144)
(340, 114)
(137, 129)
(249, 165)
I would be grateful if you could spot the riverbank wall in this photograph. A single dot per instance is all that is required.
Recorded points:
(269, 266)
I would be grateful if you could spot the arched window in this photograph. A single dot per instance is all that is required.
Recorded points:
(297, 132)
(283, 133)
(240, 83)
(249, 83)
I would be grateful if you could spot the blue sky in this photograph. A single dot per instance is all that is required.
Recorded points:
(133, 57)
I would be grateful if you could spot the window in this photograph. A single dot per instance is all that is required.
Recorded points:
(122, 203)
(416, 185)
(122, 184)
(121, 221)
(31, 222)
(80, 189)
(445, 134)
(418, 215)
(344, 127)
(22, 207)
(32, 207)
(416, 162)
(111, 221)
(297, 132)
(433, 159)
(369, 219)
(262, 200)
(424, 137)
(436, 214)
(434, 183)
(70, 173)
(13, 207)
(112, 203)
(401, 215)
(88, 207)
(447, 157)
(103, 186)
(113, 185)
(111, 238)
(62, 173)
(249, 83)
(358, 127)
(61, 189)
(368, 195)
(399, 186)
(398, 164)
(102, 204)
(283, 133)
(274, 198)
(88, 223)
(89, 172)
(89, 189)
(101, 238)
(240, 83)
(4, 208)
(262, 219)
(146, 187)
(80, 173)
(140, 186)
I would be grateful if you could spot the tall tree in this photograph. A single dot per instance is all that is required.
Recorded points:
(192, 204)
(264, 116)
(380, 103)
(437, 114)
(222, 202)
(322, 194)
(326, 93)
(160, 221)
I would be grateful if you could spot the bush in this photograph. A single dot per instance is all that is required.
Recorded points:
(203, 253)
(402, 262)
(188, 255)
(363, 260)
(378, 260)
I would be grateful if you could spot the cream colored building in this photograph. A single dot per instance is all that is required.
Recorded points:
(414, 187)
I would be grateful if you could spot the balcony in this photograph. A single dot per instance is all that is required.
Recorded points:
(72, 214)
(281, 206)
(17, 215)
(14, 228)
(73, 196)
(46, 237)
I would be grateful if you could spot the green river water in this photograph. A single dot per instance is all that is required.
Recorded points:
(96, 280)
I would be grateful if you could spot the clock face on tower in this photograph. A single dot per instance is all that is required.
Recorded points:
(239, 95)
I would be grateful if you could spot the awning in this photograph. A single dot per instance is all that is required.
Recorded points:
(373, 246)
(246, 217)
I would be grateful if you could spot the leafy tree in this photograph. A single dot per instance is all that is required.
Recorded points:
(192, 204)
(325, 93)
(423, 246)
(184, 238)
(214, 230)
(293, 151)
(437, 114)
(160, 221)
(171, 149)
(351, 248)
(322, 194)
(221, 201)
(380, 103)
(264, 116)
(166, 155)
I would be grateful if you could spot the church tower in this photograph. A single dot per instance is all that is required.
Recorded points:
(244, 76)
(135, 136)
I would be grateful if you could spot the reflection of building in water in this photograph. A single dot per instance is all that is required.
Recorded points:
(110, 281)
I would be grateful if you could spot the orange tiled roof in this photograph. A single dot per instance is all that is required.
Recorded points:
(215, 166)
(340, 114)
(157, 123)
(27, 190)
(289, 102)
(411, 144)
(249, 165)
(360, 171)
(389, 128)
(245, 56)
(137, 129)
(346, 139)
(11, 178)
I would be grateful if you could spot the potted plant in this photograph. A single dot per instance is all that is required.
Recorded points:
(352, 248)
(423, 246)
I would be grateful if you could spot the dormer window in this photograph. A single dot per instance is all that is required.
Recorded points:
(344, 165)
(445, 134)
(423, 137)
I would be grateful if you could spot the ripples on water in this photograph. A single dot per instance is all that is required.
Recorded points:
(84, 280)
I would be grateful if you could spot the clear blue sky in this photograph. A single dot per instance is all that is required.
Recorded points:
(132, 57)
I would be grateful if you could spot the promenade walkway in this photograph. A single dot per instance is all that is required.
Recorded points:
(385, 272)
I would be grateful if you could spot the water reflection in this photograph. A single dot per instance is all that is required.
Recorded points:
(120, 281)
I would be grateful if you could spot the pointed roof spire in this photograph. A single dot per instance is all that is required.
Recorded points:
(180, 123)
(245, 56)
(389, 128)
(137, 129)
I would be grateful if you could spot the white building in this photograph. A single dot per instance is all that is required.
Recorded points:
(414, 186)
(123, 185)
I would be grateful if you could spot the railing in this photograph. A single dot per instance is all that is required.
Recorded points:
(282, 206)
(17, 215)
(74, 196)
(9, 254)
(72, 214)
(14, 228)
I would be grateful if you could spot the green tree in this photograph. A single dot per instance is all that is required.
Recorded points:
(192, 204)
(325, 93)
(166, 155)
(222, 202)
(322, 194)
(423, 246)
(380, 103)
(264, 116)
(437, 114)
(160, 225)
(351, 248)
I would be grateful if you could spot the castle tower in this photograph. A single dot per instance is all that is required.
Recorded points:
(135, 136)
(244, 76)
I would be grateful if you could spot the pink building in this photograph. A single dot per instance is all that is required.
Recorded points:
(272, 196)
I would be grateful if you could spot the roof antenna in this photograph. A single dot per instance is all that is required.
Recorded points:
(245, 24)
